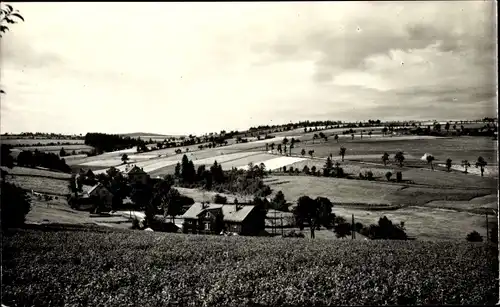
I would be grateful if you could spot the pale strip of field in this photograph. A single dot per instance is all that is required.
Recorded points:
(103, 163)
(255, 159)
(275, 163)
(142, 157)
(225, 157)
(127, 151)
(489, 170)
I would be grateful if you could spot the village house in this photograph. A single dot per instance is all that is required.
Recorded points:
(95, 195)
(215, 218)
(137, 175)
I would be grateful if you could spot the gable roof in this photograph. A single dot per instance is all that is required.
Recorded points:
(229, 212)
(135, 170)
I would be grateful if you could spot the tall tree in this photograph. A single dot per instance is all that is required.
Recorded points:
(327, 169)
(448, 164)
(125, 158)
(481, 163)
(303, 152)
(399, 157)
(342, 152)
(385, 158)
(336, 137)
(429, 159)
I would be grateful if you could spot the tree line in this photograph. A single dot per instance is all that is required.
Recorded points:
(215, 178)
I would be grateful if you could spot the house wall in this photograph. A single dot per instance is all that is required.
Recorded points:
(139, 178)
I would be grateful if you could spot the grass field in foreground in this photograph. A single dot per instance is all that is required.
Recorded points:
(125, 268)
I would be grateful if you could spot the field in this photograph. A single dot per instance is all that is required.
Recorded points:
(130, 268)
(39, 180)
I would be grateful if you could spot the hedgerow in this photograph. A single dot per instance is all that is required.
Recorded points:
(151, 269)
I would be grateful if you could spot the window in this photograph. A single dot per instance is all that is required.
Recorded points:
(207, 226)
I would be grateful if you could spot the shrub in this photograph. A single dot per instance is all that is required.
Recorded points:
(474, 236)
(358, 226)
(369, 175)
(388, 175)
(15, 205)
(342, 230)
(385, 230)
(136, 224)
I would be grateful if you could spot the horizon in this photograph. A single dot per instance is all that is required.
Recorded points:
(152, 133)
(181, 70)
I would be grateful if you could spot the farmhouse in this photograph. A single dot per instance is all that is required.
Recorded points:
(214, 218)
(137, 175)
(98, 193)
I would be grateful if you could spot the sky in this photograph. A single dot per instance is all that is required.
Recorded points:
(180, 68)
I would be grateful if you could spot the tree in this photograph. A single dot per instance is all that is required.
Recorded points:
(325, 216)
(385, 158)
(218, 199)
(5, 156)
(474, 236)
(447, 127)
(481, 163)
(10, 16)
(15, 205)
(342, 230)
(388, 175)
(352, 136)
(311, 153)
(305, 170)
(303, 152)
(62, 152)
(342, 152)
(279, 149)
(466, 165)
(328, 167)
(399, 157)
(279, 202)
(315, 136)
(125, 158)
(429, 159)
(307, 210)
(370, 133)
(178, 170)
(272, 146)
(336, 138)
(448, 164)
(384, 131)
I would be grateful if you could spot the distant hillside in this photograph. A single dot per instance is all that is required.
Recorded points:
(149, 135)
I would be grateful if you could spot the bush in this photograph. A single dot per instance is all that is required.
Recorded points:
(388, 175)
(15, 205)
(342, 230)
(136, 224)
(385, 230)
(218, 199)
(369, 175)
(474, 236)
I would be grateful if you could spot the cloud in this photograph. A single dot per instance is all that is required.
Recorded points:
(201, 67)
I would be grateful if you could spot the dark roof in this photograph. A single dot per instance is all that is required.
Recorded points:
(230, 214)
(135, 170)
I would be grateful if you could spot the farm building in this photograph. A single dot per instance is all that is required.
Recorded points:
(215, 218)
(137, 175)
(97, 193)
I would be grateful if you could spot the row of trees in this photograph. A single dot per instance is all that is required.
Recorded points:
(28, 158)
(103, 142)
(236, 181)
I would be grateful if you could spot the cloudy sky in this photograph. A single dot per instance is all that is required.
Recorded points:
(178, 68)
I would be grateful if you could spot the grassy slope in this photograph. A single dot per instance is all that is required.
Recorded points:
(89, 268)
